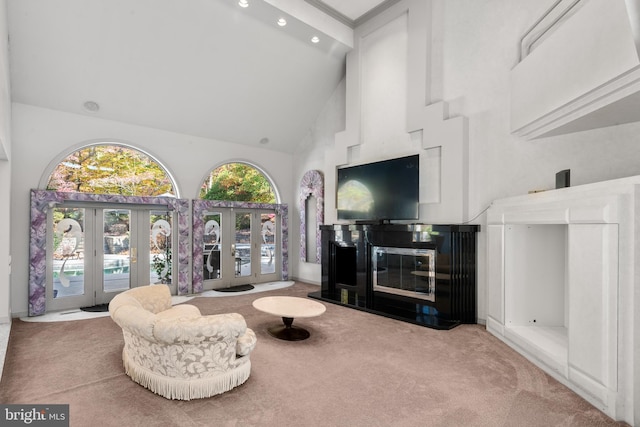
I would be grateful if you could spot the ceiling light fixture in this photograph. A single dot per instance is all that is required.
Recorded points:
(315, 39)
(91, 106)
(282, 22)
(243, 3)
(264, 141)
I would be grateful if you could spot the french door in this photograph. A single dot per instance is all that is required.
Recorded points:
(240, 247)
(97, 252)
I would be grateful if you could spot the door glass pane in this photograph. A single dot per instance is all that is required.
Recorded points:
(68, 252)
(242, 246)
(160, 247)
(116, 243)
(212, 242)
(268, 244)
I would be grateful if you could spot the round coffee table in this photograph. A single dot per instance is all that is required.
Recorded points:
(289, 308)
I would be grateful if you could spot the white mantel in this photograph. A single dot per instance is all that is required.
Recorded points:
(560, 287)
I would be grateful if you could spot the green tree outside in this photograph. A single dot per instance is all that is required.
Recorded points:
(110, 169)
(238, 182)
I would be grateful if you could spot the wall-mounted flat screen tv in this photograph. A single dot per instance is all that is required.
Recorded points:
(385, 190)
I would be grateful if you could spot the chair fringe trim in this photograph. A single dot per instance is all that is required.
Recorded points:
(180, 389)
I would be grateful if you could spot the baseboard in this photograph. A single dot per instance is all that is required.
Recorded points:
(310, 282)
(5, 330)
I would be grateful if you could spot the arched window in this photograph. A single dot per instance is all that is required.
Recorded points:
(238, 182)
(111, 219)
(111, 169)
(238, 229)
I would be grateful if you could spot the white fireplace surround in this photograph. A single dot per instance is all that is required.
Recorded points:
(561, 282)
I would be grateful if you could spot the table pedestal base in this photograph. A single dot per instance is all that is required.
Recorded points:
(289, 332)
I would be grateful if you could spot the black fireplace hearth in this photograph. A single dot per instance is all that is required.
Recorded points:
(423, 274)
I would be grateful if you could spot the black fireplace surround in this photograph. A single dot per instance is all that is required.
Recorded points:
(418, 273)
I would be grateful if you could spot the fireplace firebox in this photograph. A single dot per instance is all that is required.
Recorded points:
(418, 273)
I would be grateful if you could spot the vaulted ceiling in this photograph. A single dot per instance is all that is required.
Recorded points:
(208, 68)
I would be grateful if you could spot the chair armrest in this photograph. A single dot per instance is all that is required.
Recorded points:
(135, 320)
(219, 327)
(246, 343)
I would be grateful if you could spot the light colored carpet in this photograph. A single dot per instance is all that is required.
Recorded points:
(356, 370)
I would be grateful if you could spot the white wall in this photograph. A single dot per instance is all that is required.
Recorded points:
(473, 47)
(41, 136)
(311, 156)
(5, 170)
(479, 50)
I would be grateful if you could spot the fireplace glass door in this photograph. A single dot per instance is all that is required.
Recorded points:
(405, 271)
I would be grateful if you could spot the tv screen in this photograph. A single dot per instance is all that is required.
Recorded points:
(386, 190)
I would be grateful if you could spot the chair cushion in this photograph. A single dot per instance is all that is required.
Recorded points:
(180, 312)
(154, 298)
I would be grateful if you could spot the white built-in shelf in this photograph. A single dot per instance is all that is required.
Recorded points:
(560, 287)
(548, 343)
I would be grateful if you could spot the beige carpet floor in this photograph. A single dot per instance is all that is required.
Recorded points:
(357, 369)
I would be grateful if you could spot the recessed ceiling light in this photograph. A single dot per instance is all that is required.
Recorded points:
(282, 22)
(264, 141)
(315, 39)
(91, 106)
(243, 3)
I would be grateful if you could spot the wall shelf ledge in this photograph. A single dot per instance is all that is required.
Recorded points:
(571, 80)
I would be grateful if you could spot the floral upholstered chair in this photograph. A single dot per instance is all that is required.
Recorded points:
(177, 352)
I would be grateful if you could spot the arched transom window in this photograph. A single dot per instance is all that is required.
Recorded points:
(238, 182)
(111, 169)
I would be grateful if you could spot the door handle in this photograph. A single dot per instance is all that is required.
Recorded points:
(134, 255)
(233, 250)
